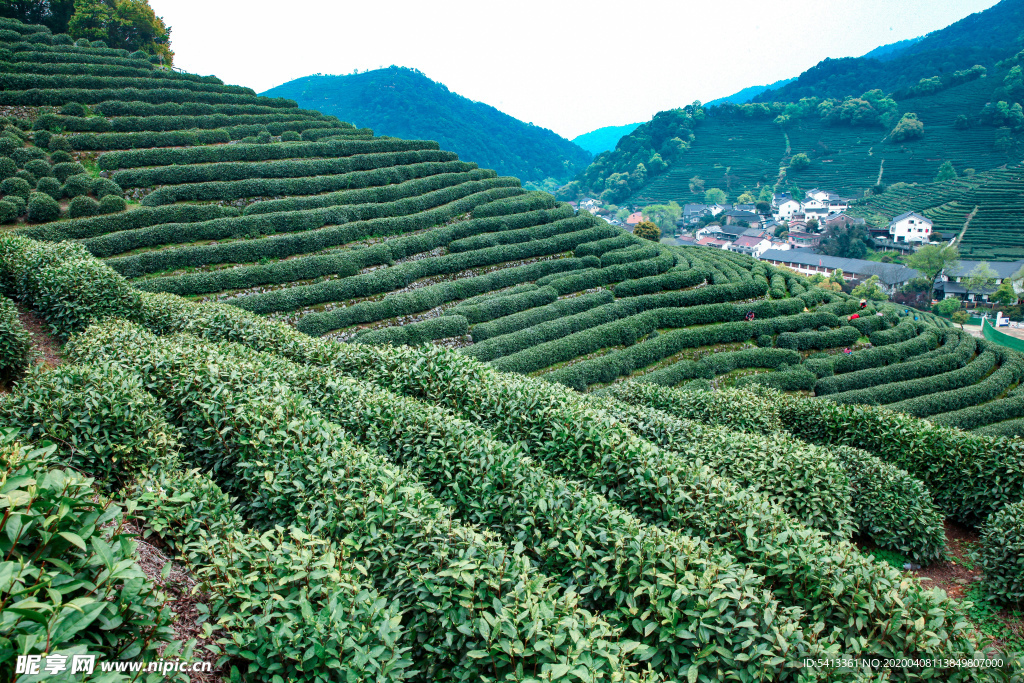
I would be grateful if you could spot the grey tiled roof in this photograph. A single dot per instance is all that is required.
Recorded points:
(888, 273)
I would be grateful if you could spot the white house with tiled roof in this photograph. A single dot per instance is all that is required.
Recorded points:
(910, 227)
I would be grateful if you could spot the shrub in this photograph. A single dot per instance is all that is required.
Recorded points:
(27, 177)
(414, 334)
(41, 139)
(19, 204)
(1001, 554)
(104, 424)
(64, 170)
(15, 342)
(8, 212)
(74, 109)
(190, 513)
(82, 206)
(42, 208)
(56, 534)
(102, 187)
(65, 285)
(77, 185)
(61, 157)
(50, 186)
(16, 186)
(892, 508)
(58, 143)
(8, 145)
(290, 136)
(112, 204)
(7, 168)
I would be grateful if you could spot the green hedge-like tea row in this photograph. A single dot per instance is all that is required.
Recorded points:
(956, 357)
(292, 168)
(178, 138)
(969, 475)
(1009, 372)
(261, 187)
(859, 484)
(678, 309)
(318, 323)
(331, 622)
(719, 364)
(114, 161)
(907, 329)
(501, 306)
(541, 314)
(38, 97)
(1001, 555)
(307, 232)
(796, 379)
(414, 334)
(963, 375)
(875, 356)
(63, 283)
(402, 275)
(310, 475)
(344, 263)
(84, 228)
(639, 355)
(799, 341)
(15, 342)
(20, 82)
(116, 108)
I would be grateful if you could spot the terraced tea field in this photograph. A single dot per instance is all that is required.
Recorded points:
(400, 420)
(995, 198)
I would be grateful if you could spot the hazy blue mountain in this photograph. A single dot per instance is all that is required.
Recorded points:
(603, 139)
(892, 50)
(747, 94)
(404, 103)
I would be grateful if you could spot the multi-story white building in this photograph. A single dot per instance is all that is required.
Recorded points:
(910, 227)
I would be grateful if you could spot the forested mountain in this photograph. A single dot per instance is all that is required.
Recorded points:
(852, 125)
(603, 139)
(404, 103)
(981, 38)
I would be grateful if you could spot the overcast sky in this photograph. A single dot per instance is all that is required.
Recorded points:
(566, 65)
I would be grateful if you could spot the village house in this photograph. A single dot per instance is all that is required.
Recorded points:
(910, 227)
(634, 219)
(750, 245)
(952, 280)
(734, 216)
(798, 239)
(784, 206)
(712, 242)
(843, 220)
(891, 276)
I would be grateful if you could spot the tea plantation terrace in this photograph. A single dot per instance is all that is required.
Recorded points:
(403, 420)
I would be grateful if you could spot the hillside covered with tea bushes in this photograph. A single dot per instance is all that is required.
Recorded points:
(401, 419)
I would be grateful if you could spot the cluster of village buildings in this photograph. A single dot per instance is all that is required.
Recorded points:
(742, 229)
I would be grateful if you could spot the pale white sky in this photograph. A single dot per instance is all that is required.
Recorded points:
(567, 65)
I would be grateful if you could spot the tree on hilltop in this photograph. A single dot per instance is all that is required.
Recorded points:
(714, 196)
(909, 128)
(799, 162)
(946, 172)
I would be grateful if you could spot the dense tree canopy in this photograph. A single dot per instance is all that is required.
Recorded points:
(126, 24)
(404, 103)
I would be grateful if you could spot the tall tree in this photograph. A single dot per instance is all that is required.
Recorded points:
(126, 24)
(980, 278)
(664, 215)
(932, 259)
(54, 14)
(946, 172)
(714, 196)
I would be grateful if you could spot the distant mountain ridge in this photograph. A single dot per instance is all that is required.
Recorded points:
(749, 93)
(603, 139)
(981, 38)
(404, 103)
